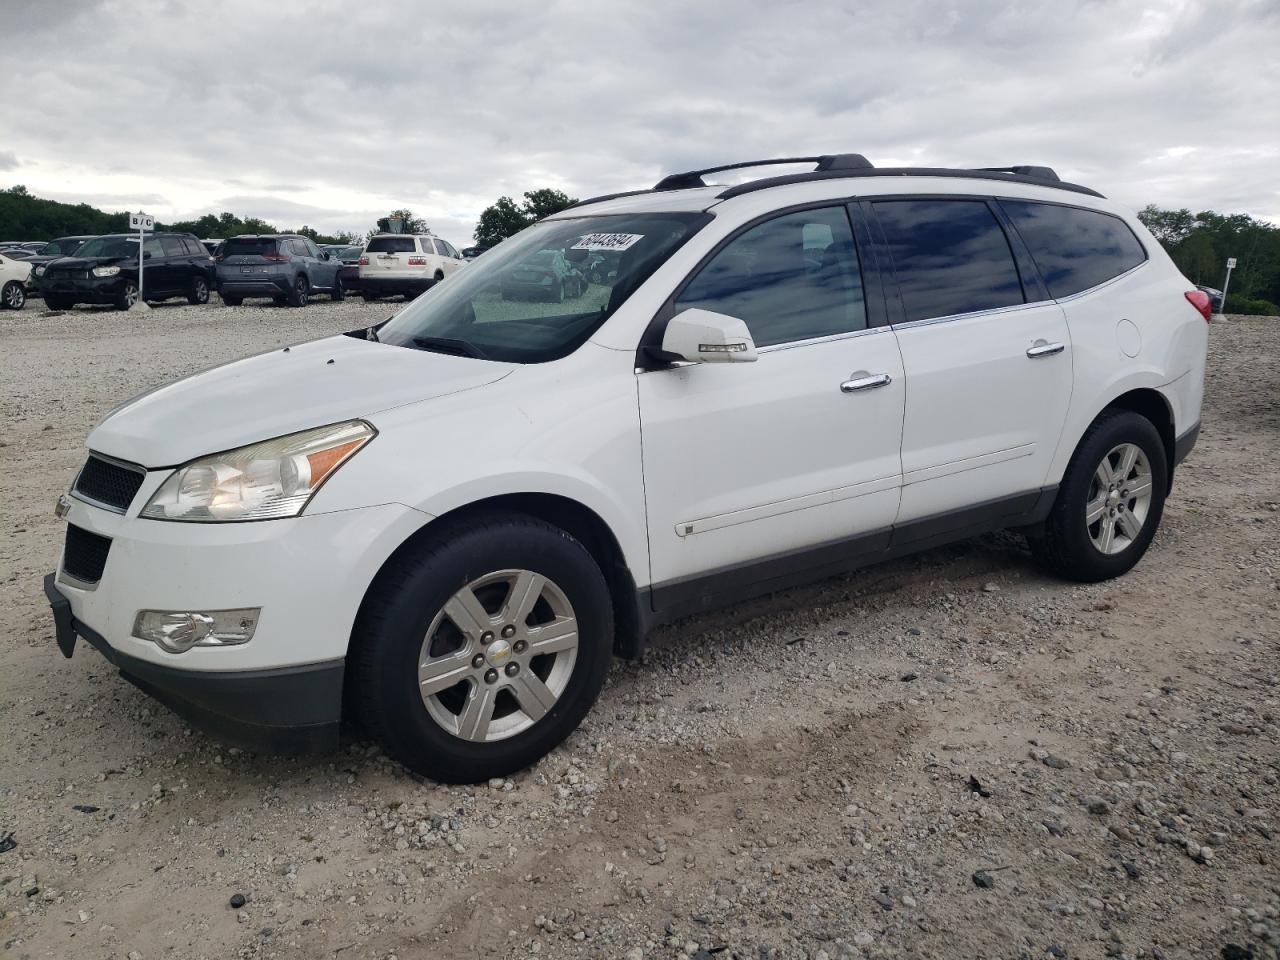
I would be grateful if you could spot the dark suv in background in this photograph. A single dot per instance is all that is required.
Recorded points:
(105, 270)
(285, 267)
(349, 254)
(51, 251)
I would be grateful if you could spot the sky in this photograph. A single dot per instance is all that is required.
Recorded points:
(330, 114)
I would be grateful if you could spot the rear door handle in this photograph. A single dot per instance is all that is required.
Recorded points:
(1043, 348)
(866, 382)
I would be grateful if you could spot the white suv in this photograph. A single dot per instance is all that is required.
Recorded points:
(400, 264)
(450, 522)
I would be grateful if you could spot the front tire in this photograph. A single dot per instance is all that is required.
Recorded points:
(1110, 502)
(127, 296)
(54, 302)
(480, 651)
(232, 301)
(339, 292)
(13, 297)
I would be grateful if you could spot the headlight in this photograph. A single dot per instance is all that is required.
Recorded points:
(38, 270)
(275, 478)
(105, 271)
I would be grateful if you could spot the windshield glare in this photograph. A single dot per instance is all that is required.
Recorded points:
(539, 295)
(109, 247)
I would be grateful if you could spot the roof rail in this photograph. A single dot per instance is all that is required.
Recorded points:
(693, 178)
(1044, 173)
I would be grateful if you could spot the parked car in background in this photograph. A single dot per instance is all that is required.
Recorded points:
(213, 246)
(53, 250)
(21, 253)
(35, 246)
(349, 256)
(470, 253)
(286, 267)
(1214, 295)
(105, 270)
(547, 275)
(405, 265)
(13, 281)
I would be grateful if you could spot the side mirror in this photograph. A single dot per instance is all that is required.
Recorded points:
(146, 254)
(324, 255)
(703, 336)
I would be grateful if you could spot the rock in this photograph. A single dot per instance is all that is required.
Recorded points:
(885, 901)
(1131, 869)
(990, 587)
(1233, 951)
(7, 842)
(976, 786)
(237, 901)
(86, 808)
(1206, 854)
(1057, 763)
(1097, 806)
(635, 953)
(1054, 827)
(1121, 832)
(984, 880)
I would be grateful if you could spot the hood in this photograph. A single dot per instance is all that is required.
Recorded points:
(310, 385)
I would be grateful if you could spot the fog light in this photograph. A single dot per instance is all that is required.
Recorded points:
(178, 631)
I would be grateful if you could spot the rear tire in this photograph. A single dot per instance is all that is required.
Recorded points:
(13, 296)
(1110, 502)
(533, 700)
(299, 293)
(368, 296)
(127, 296)
(55, 302)
(338, 293)
(199, 292)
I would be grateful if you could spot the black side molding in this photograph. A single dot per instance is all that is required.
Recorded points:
(1183, 446)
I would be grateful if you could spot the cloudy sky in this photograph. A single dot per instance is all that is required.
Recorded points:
(330, 114)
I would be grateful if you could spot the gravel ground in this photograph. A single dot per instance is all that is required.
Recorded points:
(950, 755)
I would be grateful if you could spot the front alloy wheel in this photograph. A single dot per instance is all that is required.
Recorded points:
(481, 646)
(499, 655)
(13, 297)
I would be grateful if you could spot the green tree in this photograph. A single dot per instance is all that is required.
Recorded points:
(504, 219)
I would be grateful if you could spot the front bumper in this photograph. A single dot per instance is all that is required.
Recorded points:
(89, 289)
(286, 710)
(308, 575)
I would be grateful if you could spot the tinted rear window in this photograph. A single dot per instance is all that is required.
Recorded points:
(391, 245)
(951, 256)
(1075, 249)
(251, 247)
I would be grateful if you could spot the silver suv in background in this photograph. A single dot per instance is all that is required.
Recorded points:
(285, 267)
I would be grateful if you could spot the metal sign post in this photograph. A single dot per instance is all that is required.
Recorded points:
(1231, 265)
(142, 223)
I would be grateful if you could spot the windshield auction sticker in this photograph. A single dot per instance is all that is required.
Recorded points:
(608, 241)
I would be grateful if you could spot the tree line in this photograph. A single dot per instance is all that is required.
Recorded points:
(1200, 244)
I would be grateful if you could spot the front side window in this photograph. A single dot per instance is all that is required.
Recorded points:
(950, 256)
(153, 249)
(1075, 249)
(529, 299)
(792, 278)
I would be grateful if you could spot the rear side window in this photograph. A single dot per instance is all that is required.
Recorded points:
(1075, 249)
(173, 247)
(249, 247)
(792, 278)
(390, 245)
(950, 256)
(194, 248)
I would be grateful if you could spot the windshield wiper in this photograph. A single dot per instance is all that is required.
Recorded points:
(462, 348)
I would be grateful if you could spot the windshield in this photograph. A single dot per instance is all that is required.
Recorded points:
(109, 247)
(62, 248)
(541, 294)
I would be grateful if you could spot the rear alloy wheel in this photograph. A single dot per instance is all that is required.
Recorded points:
(199, 292)
(465, 675)
(300, 292)
(127, 296)
(13, 297)
(1109, 503)
(339, 292)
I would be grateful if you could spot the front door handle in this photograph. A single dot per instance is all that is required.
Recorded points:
(1043, 348)
(865, 381)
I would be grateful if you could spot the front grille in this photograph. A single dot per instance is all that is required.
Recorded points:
(85, 554)
(109, 483)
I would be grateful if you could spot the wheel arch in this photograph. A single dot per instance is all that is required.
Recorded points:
(1154, 406)
(574, 518)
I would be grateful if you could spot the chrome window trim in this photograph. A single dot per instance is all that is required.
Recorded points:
(1104, 283)
(830, 338)
(995, 311)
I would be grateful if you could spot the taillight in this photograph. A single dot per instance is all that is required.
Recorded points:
(1200, 300)
(417, 261)
(277, 257)
(364, 261)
